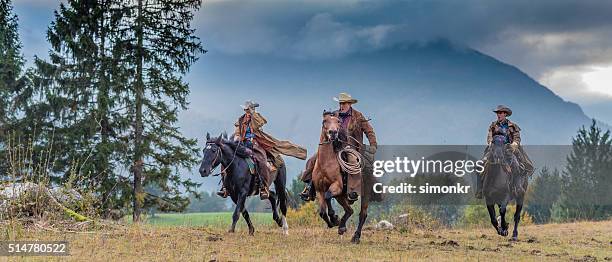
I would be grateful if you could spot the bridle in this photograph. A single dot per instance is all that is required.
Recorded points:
(219, 154)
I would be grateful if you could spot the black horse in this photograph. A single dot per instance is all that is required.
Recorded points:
(502, 184)
(239, 182)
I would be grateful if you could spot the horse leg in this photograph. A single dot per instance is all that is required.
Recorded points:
(491, 209)
(517, 218)
(246, 216)
(331, 213)
(323, 209)
(504, 224)
(239, 208)
(363, 214)
(272, 199)
(280, 187)
(348, 212)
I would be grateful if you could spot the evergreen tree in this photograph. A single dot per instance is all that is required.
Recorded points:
(69, 105)
(162, 48)
(11, 79)
(108, 98)
(542, 193)
(587, 178)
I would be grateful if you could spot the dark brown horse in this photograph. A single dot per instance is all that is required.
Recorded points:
(502, 184)
(327, 178)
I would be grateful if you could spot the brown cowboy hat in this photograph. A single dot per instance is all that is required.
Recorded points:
(503, 108)
(345, 98)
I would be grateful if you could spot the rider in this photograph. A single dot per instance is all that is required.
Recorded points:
(249, 131)
(511, 132)
(356, 125)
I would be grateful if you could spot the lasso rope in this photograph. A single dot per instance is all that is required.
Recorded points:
(350, 168)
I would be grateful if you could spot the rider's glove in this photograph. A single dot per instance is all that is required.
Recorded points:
(373, 149)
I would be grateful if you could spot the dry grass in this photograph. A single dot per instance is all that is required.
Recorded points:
(574, 241)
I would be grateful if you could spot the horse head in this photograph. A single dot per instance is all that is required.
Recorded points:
(212, 155)
(331, 126)
(497, 148)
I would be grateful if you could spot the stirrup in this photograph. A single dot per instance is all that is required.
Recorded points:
(353, 196)
(222, 193)
(305, 194)
(264, 193)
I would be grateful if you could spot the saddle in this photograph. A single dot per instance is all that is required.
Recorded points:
(247, 154)
(253, 167)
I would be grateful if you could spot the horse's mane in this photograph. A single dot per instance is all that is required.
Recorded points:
(241, 150)
(342, 140)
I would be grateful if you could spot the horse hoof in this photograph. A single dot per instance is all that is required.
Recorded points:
(355, 240)
(504, 232)
(230, 231)
(341, 230)
(279, 221)
(334, 221)
(251, 232)
(514, 238)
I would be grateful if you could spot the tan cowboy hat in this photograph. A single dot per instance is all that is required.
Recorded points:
(503, 108)
(249, 104)
(345, 97)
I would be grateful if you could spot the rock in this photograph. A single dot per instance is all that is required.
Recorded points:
(384, 225)
(67, 197)
(13, 191)
(20, 197)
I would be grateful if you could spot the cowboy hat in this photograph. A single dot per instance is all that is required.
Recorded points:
(345, 98)
(249, 104)
(502, 108)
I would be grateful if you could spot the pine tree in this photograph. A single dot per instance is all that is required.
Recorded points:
(587, 178)
(543, 192)
(163, 47)
(68, 104)
(108, 98)
(11, 78)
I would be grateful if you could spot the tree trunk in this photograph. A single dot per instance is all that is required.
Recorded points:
(138, 136)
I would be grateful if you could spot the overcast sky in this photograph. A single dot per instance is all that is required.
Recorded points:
(565, 45)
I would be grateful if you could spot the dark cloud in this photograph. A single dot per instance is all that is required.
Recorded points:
(300, 27)
(543, 38)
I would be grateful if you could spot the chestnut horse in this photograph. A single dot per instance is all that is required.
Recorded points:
(327, 177)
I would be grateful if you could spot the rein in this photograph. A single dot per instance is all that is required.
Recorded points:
(220, 154)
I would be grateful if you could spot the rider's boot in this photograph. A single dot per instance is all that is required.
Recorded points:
(223, 192)
(308, 194)
(352, 196)
(478, 193)
(264, 192)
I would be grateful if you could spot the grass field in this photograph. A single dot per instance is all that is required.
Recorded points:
(206, 219)
(209, 241)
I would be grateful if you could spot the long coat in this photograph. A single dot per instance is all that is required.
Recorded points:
(513, 129)
(272, 145)
(357, 126)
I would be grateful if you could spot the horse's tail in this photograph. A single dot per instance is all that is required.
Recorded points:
(281, 190)
(280, 187)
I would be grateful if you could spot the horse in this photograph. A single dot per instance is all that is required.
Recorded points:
(327, 178)
(239, 182)
(502, 184)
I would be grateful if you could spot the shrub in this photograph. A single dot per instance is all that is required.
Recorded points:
(477, 215)
(305, 215)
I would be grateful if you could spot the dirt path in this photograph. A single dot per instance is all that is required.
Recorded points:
(584, 241)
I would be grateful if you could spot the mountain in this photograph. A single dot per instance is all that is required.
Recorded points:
(434, 93)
